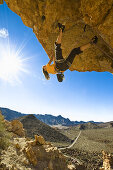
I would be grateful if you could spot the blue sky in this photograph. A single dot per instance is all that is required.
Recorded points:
(82, 96)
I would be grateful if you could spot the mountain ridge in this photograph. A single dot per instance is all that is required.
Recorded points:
(34, 126)
(47, 118)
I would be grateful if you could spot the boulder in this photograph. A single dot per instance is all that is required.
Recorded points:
(41, 155)
(16, 127)
(107, 161)
(39, 140)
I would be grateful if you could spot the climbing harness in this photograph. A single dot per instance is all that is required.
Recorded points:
(63, 60)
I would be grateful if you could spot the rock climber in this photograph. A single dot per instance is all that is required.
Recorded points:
(60, 64)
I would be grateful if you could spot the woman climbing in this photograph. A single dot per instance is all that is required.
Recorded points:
(60, 65)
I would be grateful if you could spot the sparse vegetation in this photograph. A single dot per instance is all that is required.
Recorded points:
(89, 146)
(92, 139)
(34, 126)
(4, 135)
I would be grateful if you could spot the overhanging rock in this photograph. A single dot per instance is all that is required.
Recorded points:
(43, 16)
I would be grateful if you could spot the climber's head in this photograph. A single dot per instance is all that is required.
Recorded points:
(46, 74)
(60, 77)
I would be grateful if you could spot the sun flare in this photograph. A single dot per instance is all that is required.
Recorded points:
(12, 64)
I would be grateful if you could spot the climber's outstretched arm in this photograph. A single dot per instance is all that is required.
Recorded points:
(52, 58)
(50, 61)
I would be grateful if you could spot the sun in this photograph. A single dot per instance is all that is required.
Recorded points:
(12, 64)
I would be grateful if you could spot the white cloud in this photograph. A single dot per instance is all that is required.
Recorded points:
(4, 33)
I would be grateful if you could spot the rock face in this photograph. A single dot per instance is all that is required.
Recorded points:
(34, 154)
(47, 155)
(107, 161)
(16, 127)
(43, 16)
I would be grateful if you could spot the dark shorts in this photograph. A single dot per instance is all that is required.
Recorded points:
(61, 63)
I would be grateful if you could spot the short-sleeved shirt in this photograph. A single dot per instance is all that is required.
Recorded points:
(51, 69)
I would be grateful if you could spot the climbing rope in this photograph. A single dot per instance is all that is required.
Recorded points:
(100, 37)
(104, 41)
(111, 57)
(104, 52)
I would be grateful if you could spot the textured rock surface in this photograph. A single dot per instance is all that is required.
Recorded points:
(30, 154)
(107, 161)
(16, 127)
(34, 126)
(43, 16)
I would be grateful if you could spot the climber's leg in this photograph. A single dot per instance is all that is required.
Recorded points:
(84, 47)
(79, 50)
(73, 53)
(59, 38)
(58, 50)
(61, 29)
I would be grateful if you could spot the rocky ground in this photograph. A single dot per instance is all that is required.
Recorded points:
(89, 146)
(31, 154)
(89, 160)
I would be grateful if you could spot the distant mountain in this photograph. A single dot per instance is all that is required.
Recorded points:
(88, 125)
(47, 118)
(106, 124)
(10, 114)
(56, 120)
(34, 126)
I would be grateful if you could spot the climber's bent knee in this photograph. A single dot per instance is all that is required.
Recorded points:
(73, 53)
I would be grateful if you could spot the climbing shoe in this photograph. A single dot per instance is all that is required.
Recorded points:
(61, 27)
(94, 40)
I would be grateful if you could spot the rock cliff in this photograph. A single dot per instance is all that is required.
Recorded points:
(16, 127)
(24, 153)
(43, 16)
(33, 154)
